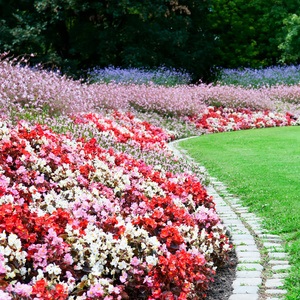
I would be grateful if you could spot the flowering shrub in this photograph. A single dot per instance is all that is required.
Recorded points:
(229, 119)
(81, 222)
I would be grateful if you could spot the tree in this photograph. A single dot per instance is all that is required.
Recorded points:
(290, 45)
(249, 31)
(79, 34)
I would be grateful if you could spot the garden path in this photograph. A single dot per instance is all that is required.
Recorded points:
(262, 262)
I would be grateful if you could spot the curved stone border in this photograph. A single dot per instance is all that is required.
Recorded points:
(262, 263)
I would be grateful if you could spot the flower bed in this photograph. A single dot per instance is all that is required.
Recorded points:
(82, 222)
(125, 128)
(82, 215)
(230, 119)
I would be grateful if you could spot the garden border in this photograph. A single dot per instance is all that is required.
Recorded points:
(262, 262)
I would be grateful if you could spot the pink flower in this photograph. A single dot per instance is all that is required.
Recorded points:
(21, 170)
(123, 277)
(23, 289)
(2, 269)
(39, 179)
(70, 277)
(135, 261)
(42, 252)
(51, 233)
(95, 291)
(148, 281)
(68, 259)
(116, 290)
(4, 296)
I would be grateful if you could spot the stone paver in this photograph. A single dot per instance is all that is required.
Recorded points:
(248, 274)
(272, 240)
(250, 248)
(276, 291)
(253, 255)
(244, 297)
(249, 267)
(272, 245)
(278, 255)
(279, 275)
(266, 235)
(242, 242)
(278, 262)
(241, 281)
(280, 267)
(252, 289)
(273, 283)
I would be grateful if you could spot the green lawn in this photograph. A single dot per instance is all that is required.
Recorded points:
(262, 167)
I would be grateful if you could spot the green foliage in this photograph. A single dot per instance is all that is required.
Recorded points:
(249, 32)
(194, 35)
(80, 34)
(291, 43)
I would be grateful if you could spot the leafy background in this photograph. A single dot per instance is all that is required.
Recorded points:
(198, 36)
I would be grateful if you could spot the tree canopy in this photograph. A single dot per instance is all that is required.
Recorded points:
(193, 35)
(249, 31)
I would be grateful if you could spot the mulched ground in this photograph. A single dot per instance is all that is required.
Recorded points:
(221, 288)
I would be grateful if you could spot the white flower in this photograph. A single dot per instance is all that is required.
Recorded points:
(226, 247)
(110, 288)
(93, 259)
(40, 275)
(154, 242)
(7, 251)
(6, 199)
(115, 261)
(122, 265)
(151, 260)
(3, 236)
(36, 196)
(123, 245)
(20, 256)
(32, 189)
(157, 167)
(53, 269)
(23, 271)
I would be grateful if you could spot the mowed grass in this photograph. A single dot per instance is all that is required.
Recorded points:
(262, 167)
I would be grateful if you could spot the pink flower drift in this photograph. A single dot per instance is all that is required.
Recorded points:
(24, 87)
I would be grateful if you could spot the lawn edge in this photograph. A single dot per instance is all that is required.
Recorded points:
(262, 262)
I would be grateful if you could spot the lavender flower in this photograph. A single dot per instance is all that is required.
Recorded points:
(274, 75)
(160, 76)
